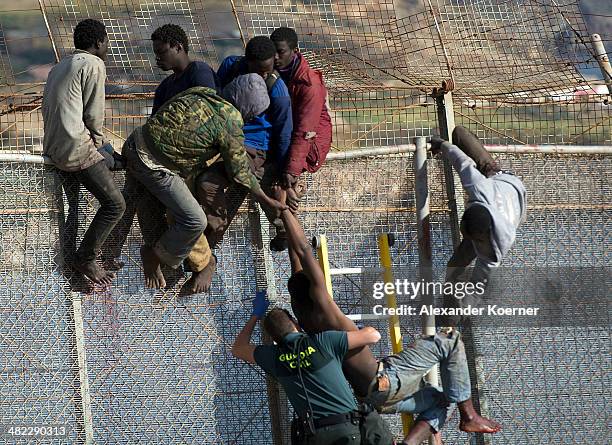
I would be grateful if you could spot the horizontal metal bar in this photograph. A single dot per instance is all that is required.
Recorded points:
(519, 149)
(24, 158)
(345, 271)
(360, 317)
(395, 149)
(551, 149)
(371, 151)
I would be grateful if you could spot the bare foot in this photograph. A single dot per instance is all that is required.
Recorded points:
(479, 424)
(154, 278)
(419, 432)
(112, 264)
(94, 272)
(200, 281)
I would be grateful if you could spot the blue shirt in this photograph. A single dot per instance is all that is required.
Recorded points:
(197, 74)
(272, 130)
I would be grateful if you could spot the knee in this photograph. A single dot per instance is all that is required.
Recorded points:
(116, 206)
(196, 223)
(459, 132)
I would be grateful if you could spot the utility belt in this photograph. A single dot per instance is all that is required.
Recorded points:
(304, 426)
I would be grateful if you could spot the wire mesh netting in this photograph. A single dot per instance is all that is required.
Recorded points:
(158, 366)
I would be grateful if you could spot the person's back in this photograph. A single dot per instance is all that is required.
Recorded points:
(191, 129)
(320, 358)
(503, 196)
(71, 127)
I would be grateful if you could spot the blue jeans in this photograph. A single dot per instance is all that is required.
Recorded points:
(407, 390)
(161, 192)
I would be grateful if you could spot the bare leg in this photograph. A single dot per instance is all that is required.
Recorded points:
(472, 422)
(419, 432)
(200, 281)
(154, 278)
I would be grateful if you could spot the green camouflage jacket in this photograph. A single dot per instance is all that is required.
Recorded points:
(192, 128)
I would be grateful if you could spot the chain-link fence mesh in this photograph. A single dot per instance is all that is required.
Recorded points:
(159, 368)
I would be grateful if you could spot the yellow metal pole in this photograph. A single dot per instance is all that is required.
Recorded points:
(394, 324)
(322, 253)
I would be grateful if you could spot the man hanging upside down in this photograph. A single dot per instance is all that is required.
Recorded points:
(394, 383)
(496, 206)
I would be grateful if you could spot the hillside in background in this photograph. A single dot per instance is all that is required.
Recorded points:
(31, 55)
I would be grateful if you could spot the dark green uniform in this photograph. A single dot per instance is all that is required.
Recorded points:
(320, 359)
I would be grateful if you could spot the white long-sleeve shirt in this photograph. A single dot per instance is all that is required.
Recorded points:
(73, 111)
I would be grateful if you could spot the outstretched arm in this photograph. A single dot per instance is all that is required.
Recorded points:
(363, 337)
(302, 259)
(242, 347)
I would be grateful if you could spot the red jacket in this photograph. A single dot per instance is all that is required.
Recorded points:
(308, 102)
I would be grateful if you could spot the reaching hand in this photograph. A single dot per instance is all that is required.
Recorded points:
(293, 201)
(265, 199)
(436, 144)
(260, 303)
(277, 205)
(279, 193)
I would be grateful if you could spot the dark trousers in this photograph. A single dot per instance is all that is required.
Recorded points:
(99, 181)
(469, 143)
(346, 433)
(221, 197)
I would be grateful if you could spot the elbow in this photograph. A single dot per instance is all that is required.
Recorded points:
(373, 335)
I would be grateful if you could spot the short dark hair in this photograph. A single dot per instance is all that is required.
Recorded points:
(173, 35)
(260, 48)
(298, 286)
(278, 323)
(87, 33)
(284, 34)
(476, 219)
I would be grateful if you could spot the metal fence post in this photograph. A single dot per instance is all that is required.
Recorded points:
(454, 193)
(421, 191)
(264, 278)
(79, 338)
(603, 60)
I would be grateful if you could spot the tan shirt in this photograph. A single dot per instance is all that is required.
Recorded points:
(73, 111)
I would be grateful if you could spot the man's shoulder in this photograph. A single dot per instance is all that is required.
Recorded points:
(329, 336)
(306, 74)
(265, 355)
(86, 59)
(229, 61)
(200, 65)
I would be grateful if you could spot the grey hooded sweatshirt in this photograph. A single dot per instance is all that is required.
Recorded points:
(503, 195)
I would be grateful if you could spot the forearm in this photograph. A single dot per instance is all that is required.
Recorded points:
(295, 236)
(463, 165)
(296, 265)
(244, 337)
